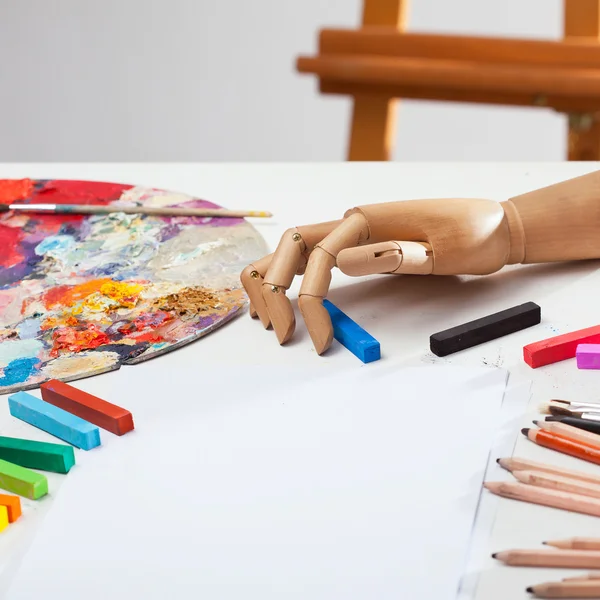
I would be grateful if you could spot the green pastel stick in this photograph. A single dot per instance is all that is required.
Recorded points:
(22, 481)
(57, 458)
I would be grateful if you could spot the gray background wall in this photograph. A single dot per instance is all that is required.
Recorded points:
(214, 80)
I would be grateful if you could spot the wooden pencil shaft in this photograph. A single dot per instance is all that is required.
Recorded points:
(567, 559)
(564, 445)
(576, 543)
(573, 433)
(584, 424)
(521, 464)
(567, 589)
(546, 497)
(556, 482)
(94, 209)
(586, 577)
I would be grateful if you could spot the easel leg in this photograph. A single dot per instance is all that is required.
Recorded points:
(582, 19)
(373, 117)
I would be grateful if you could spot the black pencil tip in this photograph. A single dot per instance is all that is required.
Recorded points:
(529, 590)
(551, 419)
(494, 555)
(498, 460)
(525, 431)
(545, 543)
(535, 422)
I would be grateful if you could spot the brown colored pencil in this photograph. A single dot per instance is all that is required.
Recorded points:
(552, 498)
(587, 577)
(563, 445)
(570, 432)
(556, 482)
(566, 589)
(565, 559)
(521, 464)
(576, 543)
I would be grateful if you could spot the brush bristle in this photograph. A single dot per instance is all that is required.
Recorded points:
(559, 410)
(544, 408)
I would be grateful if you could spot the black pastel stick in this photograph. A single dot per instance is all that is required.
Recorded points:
(485, 329)
(585, 424)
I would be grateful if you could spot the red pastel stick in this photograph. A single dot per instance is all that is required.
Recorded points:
(113, 418)
(560, 347)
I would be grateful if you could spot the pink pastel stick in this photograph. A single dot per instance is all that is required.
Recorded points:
(588, 356)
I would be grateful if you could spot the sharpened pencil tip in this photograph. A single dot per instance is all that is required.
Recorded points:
(498, 460)
(525, 431)
(545, 543)
(494, 555)
(535, 422)
(529, 590)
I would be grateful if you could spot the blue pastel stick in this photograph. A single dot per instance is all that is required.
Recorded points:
(54, 420)
(352, 335)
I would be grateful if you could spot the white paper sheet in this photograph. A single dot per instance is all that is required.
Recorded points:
(516, 398)
(334, 489)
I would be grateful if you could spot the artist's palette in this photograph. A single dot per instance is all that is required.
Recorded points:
(82, 295)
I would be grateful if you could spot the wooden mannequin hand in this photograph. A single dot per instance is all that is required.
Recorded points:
(441, 236)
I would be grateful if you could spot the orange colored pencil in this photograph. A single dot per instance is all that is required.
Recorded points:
(563, 445)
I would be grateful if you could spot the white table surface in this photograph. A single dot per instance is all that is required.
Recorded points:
(401, 312)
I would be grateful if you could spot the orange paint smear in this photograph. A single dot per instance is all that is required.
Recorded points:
(15, 189)
(149, 336)
(75, 340)
(67, 295)
(63, 321)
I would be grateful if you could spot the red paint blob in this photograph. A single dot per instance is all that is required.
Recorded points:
(64, 191)
(12, 190)
(73, 340)
(9, 242)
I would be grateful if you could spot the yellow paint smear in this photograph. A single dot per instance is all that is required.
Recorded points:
(125, 294)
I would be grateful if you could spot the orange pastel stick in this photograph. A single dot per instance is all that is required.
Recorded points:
(13, 505)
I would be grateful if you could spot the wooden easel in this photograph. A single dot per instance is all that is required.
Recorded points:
(380, 63)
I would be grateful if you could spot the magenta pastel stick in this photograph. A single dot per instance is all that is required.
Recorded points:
(588, 356)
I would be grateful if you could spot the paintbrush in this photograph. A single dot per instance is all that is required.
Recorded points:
(163, 211)
(561, 408)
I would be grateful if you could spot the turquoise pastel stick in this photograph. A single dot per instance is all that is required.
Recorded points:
(54, 420)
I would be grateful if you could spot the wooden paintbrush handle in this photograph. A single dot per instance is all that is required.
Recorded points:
(556, 223)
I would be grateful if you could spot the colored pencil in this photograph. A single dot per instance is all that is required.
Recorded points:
(165, 211)
(570, 432)
(576, 543)
(555, 482)
(522, 464)
(552, 498)
(563, 445)
(566, 559)
(582, 422)
(566, 589)
(586, 577)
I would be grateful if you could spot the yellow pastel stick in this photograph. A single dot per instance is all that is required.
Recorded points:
(3, 518)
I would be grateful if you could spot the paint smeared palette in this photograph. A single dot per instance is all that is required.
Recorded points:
(83, 295)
